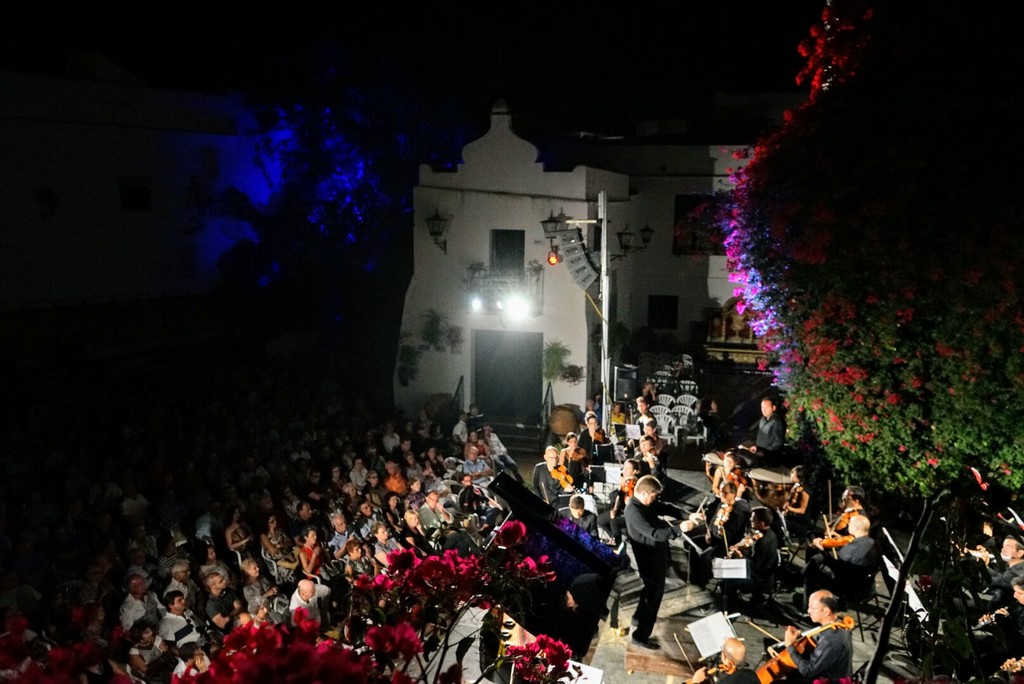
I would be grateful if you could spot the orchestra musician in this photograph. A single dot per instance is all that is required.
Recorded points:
(854, 563)
(612, 520)
(1000, 634)
(1002, 573)
(729, 471)
(832, 656)
(771, 432)
(853, 504)
(729, 669)
(649, 536)
(761, 546)
(798, 522)
(551, 480)
(576, 463)
(593, 436)
(725, 523)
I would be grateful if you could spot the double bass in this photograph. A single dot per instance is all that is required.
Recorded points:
(782, 664)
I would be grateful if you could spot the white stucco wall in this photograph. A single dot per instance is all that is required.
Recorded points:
(499, 186)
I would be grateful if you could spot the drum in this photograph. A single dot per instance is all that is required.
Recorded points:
(771, 487)
(712, 460)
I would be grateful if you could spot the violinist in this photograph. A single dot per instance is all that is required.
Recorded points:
(795, 509)
(576, 463)
(761, 546)
(832, 656)
(611, 521)
(648, 457)
(592, 436)
(726, 520)
(853, 504)
(730, 667)
(551, 480)
(729, 471)
(854, 563)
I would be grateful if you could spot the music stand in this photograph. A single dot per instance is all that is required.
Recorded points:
(709, 633)
(726, 569)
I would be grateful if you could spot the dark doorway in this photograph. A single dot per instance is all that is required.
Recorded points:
(507, 376)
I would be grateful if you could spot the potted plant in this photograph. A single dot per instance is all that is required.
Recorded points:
(556, 354)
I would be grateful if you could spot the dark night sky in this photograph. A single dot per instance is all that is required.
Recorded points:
(584, 66)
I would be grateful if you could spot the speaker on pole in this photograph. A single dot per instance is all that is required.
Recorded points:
(582, 270)
(625, 383)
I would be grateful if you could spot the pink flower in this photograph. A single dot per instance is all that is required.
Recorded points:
(933, 462)
(511, 534)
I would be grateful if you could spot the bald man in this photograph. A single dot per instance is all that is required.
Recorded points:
(734, 653)
(544, 483)
(853, 568)
(311, 597)
(832, 656)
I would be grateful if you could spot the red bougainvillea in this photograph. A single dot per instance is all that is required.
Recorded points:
(874, 235)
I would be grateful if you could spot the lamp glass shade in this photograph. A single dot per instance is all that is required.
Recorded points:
(436, 224)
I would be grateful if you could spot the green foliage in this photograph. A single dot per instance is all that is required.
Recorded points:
(881, 257)
(556, 355)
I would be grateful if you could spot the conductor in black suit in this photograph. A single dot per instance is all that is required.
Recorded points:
(649, 536)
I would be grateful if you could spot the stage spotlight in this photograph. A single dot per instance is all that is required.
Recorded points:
(476, 304)
(554, 258)
(518, 308)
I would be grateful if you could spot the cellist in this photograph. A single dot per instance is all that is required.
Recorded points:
(832, 656)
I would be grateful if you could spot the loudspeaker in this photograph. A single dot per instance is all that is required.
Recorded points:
(582, 270)
(625, 383)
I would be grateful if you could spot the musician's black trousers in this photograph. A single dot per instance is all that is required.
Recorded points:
(647, 609)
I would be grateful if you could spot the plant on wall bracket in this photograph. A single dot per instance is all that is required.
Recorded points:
(434, 329)
(556, 355)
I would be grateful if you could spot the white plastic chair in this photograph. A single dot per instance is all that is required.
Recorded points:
(686, 400)
(659, 410)
(682, 412)
(688, 387)
(666, 400)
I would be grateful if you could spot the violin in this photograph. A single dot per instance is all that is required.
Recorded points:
(844, 520)
(745, 543)
(836, 542)
(722, 515)
(562, 476)
(782, 664)
(628, 486)
(722, 668)
(794, 498)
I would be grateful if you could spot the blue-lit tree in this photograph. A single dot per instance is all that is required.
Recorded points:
(333, 247)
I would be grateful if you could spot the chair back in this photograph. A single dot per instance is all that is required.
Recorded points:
(666, 399)
(687, 400)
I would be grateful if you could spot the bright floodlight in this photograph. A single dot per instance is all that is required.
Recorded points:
(517, 307)
(476, 304)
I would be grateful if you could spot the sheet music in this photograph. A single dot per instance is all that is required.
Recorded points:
(912, 598)
(710, 633)
(729, 568)
(632, 431)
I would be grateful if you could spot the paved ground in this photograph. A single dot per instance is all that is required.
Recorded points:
(685, 603)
